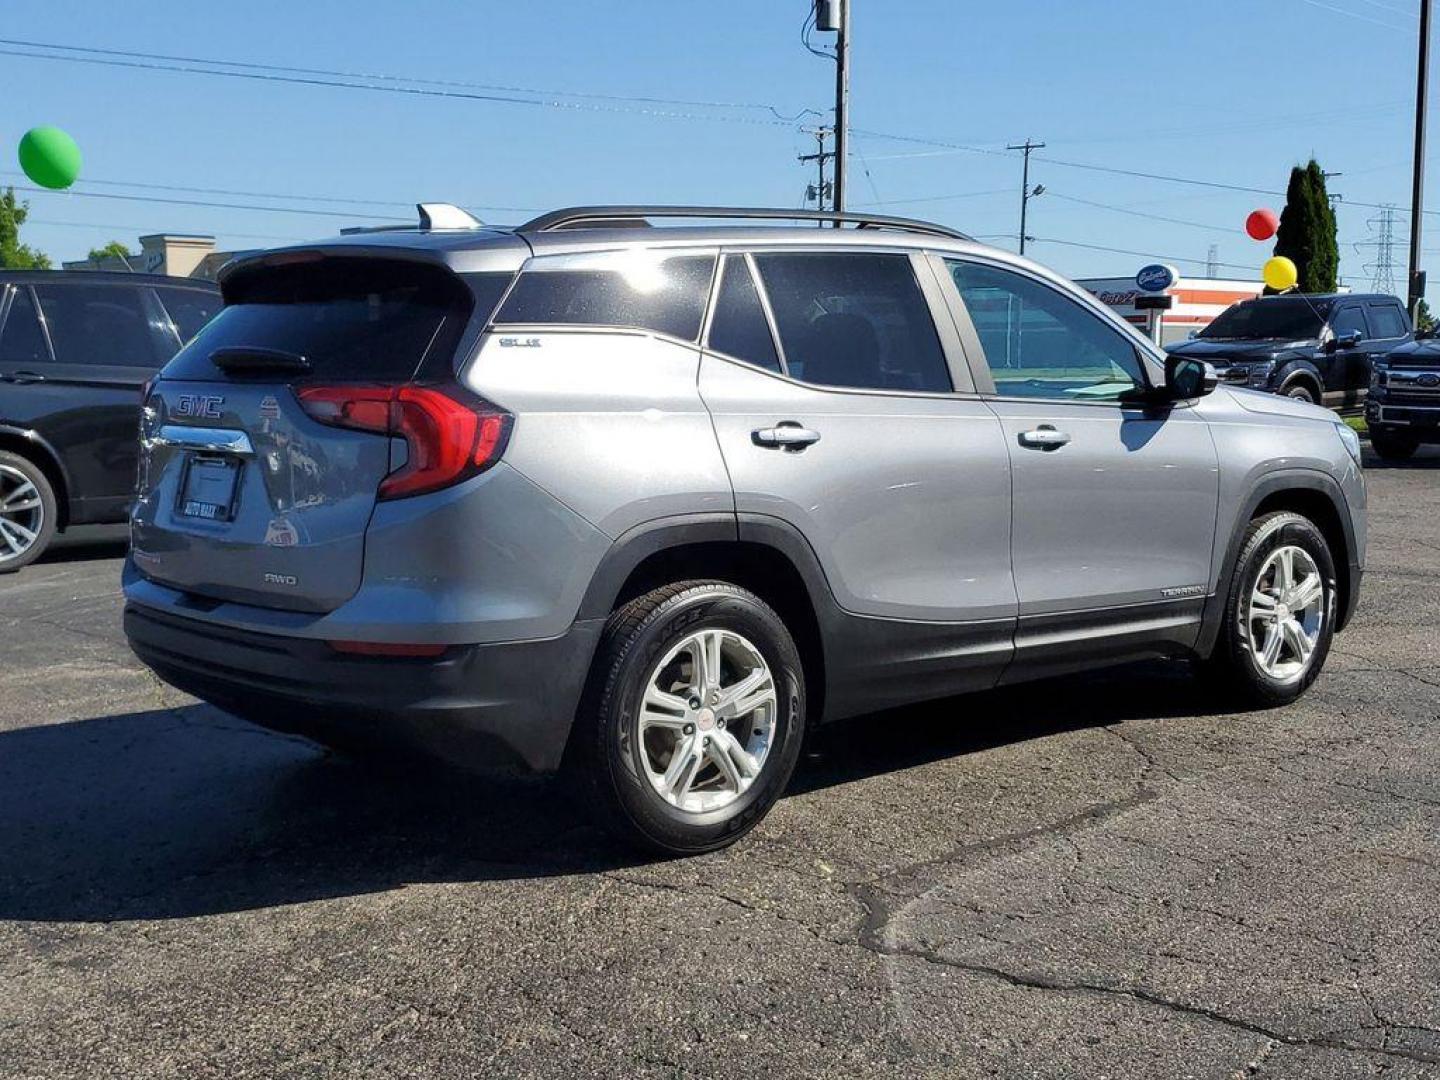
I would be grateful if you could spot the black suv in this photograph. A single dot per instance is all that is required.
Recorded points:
(1403, 409)
(1316, 347)
(76, 349)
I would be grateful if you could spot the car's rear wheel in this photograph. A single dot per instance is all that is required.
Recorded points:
(28, 515)
(1280, 610)
(1392, 446)
(694, 718)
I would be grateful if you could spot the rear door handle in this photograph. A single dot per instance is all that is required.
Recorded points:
(22, 377)
(786, 434)
(1044, 437)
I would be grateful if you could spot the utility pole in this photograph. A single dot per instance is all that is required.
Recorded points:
(1212, 262)
(1416, 283)
(1025, 193)
(834, 15)
(821, 189)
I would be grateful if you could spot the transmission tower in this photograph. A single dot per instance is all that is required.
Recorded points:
(1382, 267)
(1212, 261)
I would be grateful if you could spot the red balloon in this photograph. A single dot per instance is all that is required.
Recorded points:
(1261, 224)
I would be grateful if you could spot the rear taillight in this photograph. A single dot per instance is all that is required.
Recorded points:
(450, 434)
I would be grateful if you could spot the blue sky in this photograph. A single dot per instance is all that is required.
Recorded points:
(1230, 91)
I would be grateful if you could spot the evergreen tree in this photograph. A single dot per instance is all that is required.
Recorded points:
(13, 254)
(1307, 230)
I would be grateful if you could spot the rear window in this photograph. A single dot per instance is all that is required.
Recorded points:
(637, 289)
(354, 320)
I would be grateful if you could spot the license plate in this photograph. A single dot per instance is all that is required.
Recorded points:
(207, 490)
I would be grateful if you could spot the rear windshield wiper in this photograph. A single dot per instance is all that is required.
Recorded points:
(253, 360)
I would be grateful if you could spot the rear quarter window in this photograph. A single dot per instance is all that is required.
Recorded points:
(105, 325)
(353, 319)
(189, 309)
(633, 289)
(1387, 321)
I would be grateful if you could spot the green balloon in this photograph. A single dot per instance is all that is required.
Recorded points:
(49, 157)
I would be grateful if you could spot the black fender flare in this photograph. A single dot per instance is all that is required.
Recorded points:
(1271, 484)
(1287, 371)
(43, 447)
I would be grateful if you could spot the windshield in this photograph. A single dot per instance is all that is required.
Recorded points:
(1282, 318)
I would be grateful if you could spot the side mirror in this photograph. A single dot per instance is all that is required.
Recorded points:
(1345, 341)
(1187, 377)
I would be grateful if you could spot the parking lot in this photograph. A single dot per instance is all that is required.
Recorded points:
(1109, 876)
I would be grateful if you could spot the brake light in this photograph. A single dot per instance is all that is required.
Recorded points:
(450, 434)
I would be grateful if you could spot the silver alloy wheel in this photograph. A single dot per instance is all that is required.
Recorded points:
(1286, 613)
(22, 513)
(707, 720)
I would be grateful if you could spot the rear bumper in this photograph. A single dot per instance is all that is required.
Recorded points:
(500, 706)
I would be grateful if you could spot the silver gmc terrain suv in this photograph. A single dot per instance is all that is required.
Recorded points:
(642, 504)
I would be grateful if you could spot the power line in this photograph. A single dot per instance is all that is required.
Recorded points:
(1355, 15)
(335, 199)
(113, 227)
(1141, 213)
(1139, 254)
(384, 77)
(414, 91)
(72, 194)
(1191, 181)
(939, 198)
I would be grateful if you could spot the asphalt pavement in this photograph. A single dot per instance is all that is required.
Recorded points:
(1109, 876)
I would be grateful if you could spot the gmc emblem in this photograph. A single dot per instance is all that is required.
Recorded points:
(204, 406)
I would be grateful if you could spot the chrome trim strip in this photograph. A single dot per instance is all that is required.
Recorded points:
(212, 440)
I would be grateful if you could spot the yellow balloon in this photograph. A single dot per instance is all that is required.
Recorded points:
(1279, 273)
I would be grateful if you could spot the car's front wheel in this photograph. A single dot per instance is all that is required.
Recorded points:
(1279, 612)
(1300, 392)
(28, 514)
(1392, 446)
(694, 718)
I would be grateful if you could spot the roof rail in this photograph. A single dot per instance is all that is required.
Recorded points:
(582, 217)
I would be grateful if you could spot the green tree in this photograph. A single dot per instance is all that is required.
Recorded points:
(13, 254)
(1424, 321)
(1307, 230)
(113, 250)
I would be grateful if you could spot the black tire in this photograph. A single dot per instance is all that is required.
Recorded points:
(1233, 660)
(49, 514)
(603, 756)
(1393, 446)
(1300, 392)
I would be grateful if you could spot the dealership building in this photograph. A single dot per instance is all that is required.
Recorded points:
(1196, 301)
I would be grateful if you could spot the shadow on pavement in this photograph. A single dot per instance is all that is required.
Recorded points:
(84, 543)
(185, 812)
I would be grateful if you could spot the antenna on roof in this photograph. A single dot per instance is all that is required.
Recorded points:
(439, 215)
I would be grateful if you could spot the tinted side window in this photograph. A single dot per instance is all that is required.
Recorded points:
(1039, 342)
(642, 290)
(1349, 319)
(189, 309)
(1388, 321)
(21, 341)
(98, 324)
(854, 320)
(739, 327)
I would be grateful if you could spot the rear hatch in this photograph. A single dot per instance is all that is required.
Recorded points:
(323, 385)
